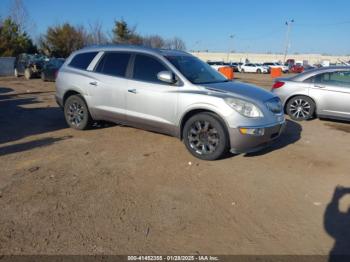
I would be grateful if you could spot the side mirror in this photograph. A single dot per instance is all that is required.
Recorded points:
(166, 76)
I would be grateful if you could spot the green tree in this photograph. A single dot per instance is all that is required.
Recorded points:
(122, 34)
(13, 41)
(62, 40)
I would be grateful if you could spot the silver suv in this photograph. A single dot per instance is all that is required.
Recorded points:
(170, 92)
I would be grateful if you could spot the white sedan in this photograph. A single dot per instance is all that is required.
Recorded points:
(285, 69)
(254, 68)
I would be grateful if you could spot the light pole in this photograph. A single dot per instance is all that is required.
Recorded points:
(229, 45)
(289, 25)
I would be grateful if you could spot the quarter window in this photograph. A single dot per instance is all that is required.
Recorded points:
(82, 61)
(114, 64)
(146, 68)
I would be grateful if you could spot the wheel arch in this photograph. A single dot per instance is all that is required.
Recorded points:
(195, 111)
(71, 93)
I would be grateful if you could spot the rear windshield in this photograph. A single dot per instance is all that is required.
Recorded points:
(82, 61)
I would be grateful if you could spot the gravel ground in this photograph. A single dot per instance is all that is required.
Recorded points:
(119, 190)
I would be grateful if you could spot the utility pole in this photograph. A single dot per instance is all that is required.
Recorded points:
(289, 25)
(229, 45)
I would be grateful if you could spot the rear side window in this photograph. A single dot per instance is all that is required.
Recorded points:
(146, 68)
(114, 64)
(340, 78)
(82, 61)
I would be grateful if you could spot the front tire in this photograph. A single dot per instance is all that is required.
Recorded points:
(242, 70)
(301, 108)
(258, 71)
(205, 136)
(28, 73)
(76, 113)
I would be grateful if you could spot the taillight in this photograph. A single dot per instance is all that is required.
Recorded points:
(278, 84)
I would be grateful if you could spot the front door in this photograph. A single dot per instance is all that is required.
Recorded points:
(151, 103)
(332, 91)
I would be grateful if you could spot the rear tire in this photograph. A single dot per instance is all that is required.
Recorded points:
(76, 113)
(28, 73)
(242, 70)
(301, 108)
(205, 136)
(258, 71)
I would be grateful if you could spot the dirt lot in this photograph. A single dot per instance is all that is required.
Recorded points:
(119, 190)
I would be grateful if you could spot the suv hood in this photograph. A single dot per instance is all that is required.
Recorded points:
(242, 90)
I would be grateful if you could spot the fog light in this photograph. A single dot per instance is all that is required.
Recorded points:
(252, 131)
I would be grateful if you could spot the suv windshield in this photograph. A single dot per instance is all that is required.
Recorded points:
(195, 70)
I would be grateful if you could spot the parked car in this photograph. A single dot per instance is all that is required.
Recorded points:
(216, 64)
(235, 66)
(50, 69)
(309, 67)
(29, 65)
(254, 68)
(322, 92)
(284, 68)
(290, 62)
(297, 68)
(169, 92)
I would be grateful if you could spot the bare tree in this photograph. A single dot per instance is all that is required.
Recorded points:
(20, 16)
(176, 43)
(154, 41)
(95, 34)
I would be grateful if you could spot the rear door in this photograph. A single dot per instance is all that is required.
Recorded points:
(108, 86)
(332, 91)
(151, 103)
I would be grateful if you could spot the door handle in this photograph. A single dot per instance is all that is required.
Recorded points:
(93, 83)
(320, 86)
(132, 91)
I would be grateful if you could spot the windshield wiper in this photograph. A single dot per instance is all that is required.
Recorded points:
(214, 82)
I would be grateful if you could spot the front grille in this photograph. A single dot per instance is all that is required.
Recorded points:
(274, 105)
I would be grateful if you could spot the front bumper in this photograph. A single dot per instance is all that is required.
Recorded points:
(246, 143)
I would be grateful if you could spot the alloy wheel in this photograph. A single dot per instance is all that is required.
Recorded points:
(203, 137)
(300, 108)
(75, 113)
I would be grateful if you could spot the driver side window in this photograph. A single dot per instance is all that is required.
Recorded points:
(146, 68)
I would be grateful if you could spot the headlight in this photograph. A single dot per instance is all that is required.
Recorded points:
(275, 105)
(244, 108)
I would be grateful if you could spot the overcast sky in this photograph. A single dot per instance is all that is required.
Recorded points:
(258, 26)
